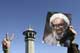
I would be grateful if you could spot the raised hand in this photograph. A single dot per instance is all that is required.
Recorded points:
(7, 42)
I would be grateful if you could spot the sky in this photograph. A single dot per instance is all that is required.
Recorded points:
(17, 15)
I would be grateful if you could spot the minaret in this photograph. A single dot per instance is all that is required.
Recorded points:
(29, 35)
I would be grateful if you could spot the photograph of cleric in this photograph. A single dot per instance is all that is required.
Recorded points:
(58, 29)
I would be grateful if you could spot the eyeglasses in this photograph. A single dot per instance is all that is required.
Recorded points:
(55, 26)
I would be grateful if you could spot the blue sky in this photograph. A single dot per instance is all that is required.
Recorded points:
(16, 15)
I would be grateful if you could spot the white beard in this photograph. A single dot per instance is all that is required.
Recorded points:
(50, 40)
(58, 37)
(53, 39)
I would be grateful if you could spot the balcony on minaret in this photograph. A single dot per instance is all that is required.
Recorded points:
(29, 34)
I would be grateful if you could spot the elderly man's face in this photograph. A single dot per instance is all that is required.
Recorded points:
(58, 25)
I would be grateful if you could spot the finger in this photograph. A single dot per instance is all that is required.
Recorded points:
(71, 26)
(12, 37)
(7, 35)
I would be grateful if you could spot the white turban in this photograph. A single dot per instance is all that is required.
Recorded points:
(59, 15)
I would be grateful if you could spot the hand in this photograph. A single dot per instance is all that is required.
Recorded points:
(72, 29)
(6, 43)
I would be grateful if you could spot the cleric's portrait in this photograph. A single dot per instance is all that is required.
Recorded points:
(58, 30)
